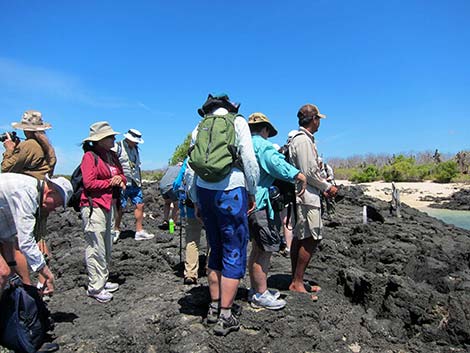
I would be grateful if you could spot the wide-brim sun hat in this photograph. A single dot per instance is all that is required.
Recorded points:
(64, 186)
(99, 131)
(215, 101)
(134, 136)
(259, 118)
(31, 121)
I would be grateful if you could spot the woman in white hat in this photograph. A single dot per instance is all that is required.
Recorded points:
(103, 179)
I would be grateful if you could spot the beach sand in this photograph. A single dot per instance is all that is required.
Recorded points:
(414, 194)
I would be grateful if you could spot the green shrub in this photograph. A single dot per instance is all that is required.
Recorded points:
(152, 175)
(445, 171)
(368, 174)
(404, 169)
(345, 173)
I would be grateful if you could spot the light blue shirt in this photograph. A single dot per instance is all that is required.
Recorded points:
(272, 166)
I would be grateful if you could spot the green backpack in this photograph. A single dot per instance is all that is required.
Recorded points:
(214, 152)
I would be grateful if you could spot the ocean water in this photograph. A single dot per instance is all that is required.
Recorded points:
(459, 218)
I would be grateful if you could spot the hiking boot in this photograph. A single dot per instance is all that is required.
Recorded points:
(143, 235)
(115, 234)
(103, 296)
(226, 325)
(267, 301)
(275, 293)
(164, 226)
(111, 287)
(212, 314)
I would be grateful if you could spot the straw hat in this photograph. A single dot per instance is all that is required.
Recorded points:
(31, 121)
(99, 131)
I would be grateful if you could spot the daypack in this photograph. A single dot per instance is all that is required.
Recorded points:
(287, 195)
(77, 185)
(24, 318)
(214, 152)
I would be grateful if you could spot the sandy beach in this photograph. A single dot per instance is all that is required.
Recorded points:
(414, 194)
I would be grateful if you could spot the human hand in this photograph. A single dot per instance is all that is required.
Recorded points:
(302, 181)
(9, 144)
(331, 192)
(115, 180)
(251, 204)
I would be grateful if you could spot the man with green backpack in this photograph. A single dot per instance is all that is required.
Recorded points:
(222, 179)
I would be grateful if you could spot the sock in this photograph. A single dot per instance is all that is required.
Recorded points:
(215, 304)
(226, 312)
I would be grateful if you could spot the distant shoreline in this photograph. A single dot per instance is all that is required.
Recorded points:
(411, 193)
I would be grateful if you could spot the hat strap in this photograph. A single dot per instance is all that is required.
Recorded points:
(134, 134)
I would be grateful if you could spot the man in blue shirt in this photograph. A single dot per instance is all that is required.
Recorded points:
(265, 223)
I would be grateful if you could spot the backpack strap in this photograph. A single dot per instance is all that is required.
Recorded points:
(90, 200)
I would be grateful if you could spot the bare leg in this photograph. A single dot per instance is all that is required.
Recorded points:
(214, 279)
(258, 266)
(139, 216)
(304, 254)
(117, 222)
(174, 212)
(166, 210)
(228, 291)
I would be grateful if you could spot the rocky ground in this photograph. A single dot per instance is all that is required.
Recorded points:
(401, 285)
(459, 200)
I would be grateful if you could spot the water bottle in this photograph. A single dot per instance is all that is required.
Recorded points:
(171, 226)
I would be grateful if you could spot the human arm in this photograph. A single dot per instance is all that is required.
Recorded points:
(247, 154)
(305, 159)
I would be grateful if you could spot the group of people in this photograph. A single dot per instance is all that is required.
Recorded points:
(237, 206)
(110, 175)
(232, 208)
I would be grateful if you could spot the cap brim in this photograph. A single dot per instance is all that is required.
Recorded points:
(59, 188)
(321, 116)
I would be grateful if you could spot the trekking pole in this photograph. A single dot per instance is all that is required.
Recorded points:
(181, 240)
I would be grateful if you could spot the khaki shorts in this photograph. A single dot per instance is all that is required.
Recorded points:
(308, 222)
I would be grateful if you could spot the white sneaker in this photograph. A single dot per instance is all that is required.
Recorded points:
(267, 301)
(111, 287)
(103, 296)
(143, 235)
(115, 234)
(275, 293)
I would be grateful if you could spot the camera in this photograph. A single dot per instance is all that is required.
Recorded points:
(13, 137)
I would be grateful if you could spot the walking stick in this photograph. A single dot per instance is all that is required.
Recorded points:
(181, 240)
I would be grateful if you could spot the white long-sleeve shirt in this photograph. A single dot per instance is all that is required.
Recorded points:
(248, 178)
(19, 196)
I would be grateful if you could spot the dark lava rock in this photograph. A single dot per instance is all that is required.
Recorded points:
(459, 200)
(401, 285)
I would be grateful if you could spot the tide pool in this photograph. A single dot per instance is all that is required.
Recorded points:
(459, 218)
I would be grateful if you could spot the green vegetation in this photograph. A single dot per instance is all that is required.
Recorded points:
(445, 171)
(181, 151)
(423, 166)
(152, 175)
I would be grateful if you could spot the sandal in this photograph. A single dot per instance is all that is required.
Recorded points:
(311, 288)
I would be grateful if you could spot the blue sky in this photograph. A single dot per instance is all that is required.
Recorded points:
(391, 76)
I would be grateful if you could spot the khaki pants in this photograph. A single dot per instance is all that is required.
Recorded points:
(193, 240)
(99, 242)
